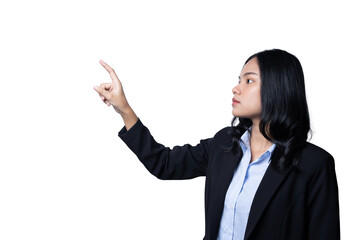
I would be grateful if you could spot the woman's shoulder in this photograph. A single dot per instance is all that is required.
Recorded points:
(222, 139)
(313, 156)
(312, 150)
(223, 133)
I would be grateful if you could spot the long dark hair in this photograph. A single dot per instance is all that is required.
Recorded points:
(285, 117)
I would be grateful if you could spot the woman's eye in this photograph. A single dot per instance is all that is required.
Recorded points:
(249, 81)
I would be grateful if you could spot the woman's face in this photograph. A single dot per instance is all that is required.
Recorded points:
(247, 100)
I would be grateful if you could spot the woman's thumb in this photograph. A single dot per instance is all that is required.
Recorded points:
(102, 92)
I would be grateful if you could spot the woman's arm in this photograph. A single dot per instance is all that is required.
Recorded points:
(178, 163)
(181, 162)
(113, 94)
(323, 204)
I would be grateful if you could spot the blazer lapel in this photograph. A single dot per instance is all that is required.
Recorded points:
(268, 186)
(229, 162)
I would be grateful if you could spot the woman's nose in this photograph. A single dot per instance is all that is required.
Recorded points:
(236, 89)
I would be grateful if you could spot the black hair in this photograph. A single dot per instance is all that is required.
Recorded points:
(285, 117)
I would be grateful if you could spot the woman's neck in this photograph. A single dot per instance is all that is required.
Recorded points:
(258, 142)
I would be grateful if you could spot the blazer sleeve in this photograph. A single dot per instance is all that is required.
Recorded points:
(181, 162)
(323, 203)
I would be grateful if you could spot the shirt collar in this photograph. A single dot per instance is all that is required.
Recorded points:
(245, 139)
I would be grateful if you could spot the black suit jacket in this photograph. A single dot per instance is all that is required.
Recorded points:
(299, 204)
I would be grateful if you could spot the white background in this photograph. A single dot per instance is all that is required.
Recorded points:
(65, 174)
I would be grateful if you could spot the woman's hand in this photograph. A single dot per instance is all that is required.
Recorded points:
(113, 94)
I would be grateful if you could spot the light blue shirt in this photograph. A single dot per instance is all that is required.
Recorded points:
(241, 192)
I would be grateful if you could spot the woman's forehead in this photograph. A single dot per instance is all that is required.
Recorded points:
(252, 67)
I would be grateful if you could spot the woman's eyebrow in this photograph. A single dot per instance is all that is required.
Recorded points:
(248, 73)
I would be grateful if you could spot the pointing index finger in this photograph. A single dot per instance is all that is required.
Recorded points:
(110, 70)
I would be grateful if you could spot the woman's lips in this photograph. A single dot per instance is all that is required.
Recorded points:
(234, 101)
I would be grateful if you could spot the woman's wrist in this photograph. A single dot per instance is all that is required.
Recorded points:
(129, 117)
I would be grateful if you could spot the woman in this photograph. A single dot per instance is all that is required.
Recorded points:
(263, 179)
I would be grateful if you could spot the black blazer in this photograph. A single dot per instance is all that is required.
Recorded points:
(299, 204)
